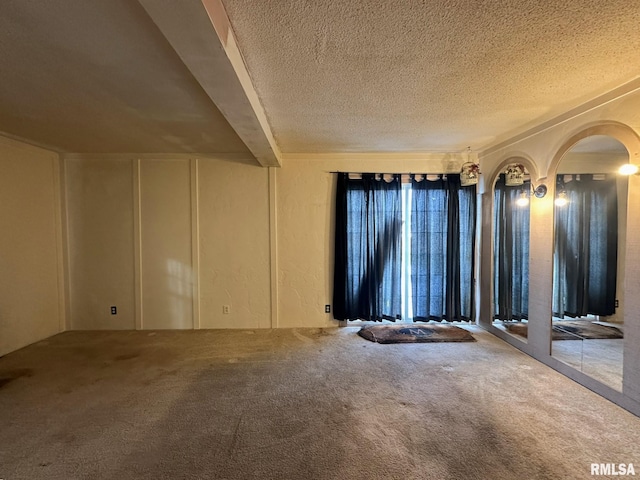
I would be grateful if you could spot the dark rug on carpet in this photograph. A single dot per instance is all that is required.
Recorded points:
(571, 330)
(415, 333)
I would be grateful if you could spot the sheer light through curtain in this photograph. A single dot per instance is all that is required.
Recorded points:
(404, 252)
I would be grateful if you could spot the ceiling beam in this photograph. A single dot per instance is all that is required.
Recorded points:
(200, 33)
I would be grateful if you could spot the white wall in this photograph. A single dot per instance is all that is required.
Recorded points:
(305, 197)
(168, 241)
(305, 200)
(31, 290)
(165, 229)
(171, 241)
(233, 242)
(631, 373)
(100, 243)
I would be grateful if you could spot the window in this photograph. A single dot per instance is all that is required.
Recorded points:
(404, 251)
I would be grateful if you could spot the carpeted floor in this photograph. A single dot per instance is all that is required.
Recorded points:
(570, 330)
(297, 404)
(600, 359)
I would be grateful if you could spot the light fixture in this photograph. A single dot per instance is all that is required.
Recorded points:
(514, 175)
(540, 191)
(561, 193)
(628, 169)
(561, 200)
(470, 171)
(523, 199)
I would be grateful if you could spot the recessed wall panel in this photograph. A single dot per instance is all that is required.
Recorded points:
(234, 245)
(100, 243)
(165, 244)
(29, 288)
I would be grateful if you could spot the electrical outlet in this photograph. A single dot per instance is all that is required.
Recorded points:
(617, 303)
(114, 310)
(226, 309)
(327, 309)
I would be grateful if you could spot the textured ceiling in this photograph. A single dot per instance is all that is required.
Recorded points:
(432, 75)
(109, 76)
(100, 77)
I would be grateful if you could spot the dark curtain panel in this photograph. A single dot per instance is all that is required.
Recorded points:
(586, 247)
(442, 249)
(510, 252)
(368, 242)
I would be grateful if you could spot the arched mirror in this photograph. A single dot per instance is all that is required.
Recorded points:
(588, 264)
(511, 196)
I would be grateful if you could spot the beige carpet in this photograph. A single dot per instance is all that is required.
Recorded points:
(600, 359)
(297, 404)
(570, 330)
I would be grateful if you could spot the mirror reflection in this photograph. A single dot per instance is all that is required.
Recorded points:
(511, 251)
(588, 262)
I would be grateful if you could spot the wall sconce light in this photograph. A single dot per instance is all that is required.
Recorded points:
(628, 169)
(561, 193)
(514, 175)
(470, 171)
(540, 191)
(561, 198)
(523, 199)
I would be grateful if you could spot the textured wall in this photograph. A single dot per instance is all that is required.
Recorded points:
(631, 374)
(30, 292)
(305, 196)
(136, 241)
(100, 243)
(165, 231)
(234, 245)
(540, 272)
(208, 223)
(305, 202)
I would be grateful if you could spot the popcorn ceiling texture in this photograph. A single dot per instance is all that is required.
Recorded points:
(428, 76)
(332, 76)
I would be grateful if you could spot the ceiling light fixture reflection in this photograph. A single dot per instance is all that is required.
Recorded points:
(561, 200)
(523, 199)
(628, 169)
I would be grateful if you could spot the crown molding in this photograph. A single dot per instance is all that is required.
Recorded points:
(599, 101)
(376, 156)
